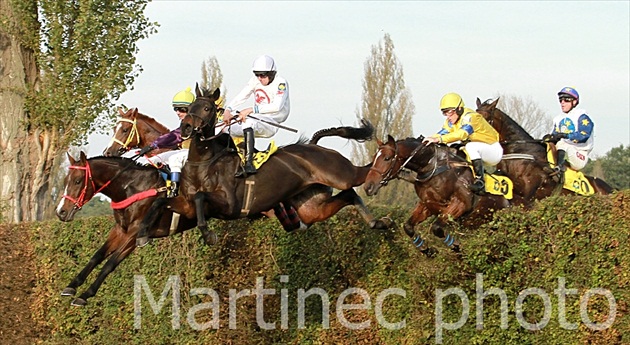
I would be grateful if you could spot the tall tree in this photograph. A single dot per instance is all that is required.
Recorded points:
(212, 78)
(63, 64)
(387, 104)
(526, 113)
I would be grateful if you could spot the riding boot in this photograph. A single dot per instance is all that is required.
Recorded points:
(562, 155)
(249, 168)
(173, 189)
(478, 185)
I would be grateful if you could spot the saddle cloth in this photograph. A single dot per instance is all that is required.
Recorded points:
(260, 157)
(574, 180)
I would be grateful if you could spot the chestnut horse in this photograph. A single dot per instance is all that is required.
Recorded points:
(133, 130)
(442, 184)
(532, 176)
(301, 176)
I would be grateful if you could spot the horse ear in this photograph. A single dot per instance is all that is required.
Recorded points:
(83, 157)
(478, 103)
(496, 101)
(379, 142)
(390, 139)
(71, 159)
(217, 93)
(198, 90)
(134, 113)
(121, 112)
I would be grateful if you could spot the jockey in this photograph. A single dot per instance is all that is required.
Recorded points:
(271, 103)
(572, 130)
(463, 124)
(175, 158)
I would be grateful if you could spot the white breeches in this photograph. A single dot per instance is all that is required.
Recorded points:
(261, 129)
(577, 158)
(490, 154)
(175, 159)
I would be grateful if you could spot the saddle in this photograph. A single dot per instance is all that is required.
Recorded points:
(260, 157)
(573, 180)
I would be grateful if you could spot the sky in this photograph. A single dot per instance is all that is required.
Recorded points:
(528, 49)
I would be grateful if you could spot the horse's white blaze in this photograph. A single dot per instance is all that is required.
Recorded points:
(111, 142)
(65, 192)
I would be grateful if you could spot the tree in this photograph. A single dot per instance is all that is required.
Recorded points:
(612, 167)
(64, 63)
(211, 76)
(526, 113)
(387, 104)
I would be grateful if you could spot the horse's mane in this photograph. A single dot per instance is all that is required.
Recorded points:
(510, 123)
(153, 122)
(120, 160)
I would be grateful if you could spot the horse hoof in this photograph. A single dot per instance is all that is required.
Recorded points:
(381, 224)
(142, 241)
(429, 252)
(68, 292)
(79, 302)
(211, 239)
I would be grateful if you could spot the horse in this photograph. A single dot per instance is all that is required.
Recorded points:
(442, 184)
(124, 181)
(530, 170)
(133, 130)
(300, 176)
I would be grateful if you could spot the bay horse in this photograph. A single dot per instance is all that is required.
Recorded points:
(301, 176)
(442, 184)
(133, 187)
(532, 176)
(133, 130)
(123, 180)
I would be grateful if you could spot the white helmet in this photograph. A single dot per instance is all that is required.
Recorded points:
(264, 63)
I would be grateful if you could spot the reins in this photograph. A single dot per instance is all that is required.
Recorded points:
(81, 200)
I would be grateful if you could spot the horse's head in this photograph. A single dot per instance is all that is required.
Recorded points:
(385, 165)
(125, 135)
(487, 110)
(202, 114)
(507, 128)
(78, 189)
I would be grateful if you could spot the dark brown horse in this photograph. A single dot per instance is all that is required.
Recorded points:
(120, 179)
(133, 130)
(443, 177)
(300, 176)
(525, 158)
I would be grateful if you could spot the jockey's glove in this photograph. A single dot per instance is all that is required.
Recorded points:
(145, 150)
(555, 137)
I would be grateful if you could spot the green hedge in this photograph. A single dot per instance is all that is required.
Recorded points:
(581, 240)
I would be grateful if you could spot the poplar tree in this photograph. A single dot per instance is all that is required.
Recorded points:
(63, 64)
(387, 104)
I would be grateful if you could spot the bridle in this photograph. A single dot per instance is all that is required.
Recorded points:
(124, 147)
(390, 173)
(81, 200)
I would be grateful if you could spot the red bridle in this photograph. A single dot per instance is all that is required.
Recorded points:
(81, 199)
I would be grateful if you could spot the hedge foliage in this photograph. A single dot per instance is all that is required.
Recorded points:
(583, 241)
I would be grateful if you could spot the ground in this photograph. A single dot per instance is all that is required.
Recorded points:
(17, 281)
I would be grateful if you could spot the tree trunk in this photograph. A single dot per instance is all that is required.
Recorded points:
(26, 156)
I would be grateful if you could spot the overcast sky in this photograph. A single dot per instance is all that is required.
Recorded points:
(477, 49)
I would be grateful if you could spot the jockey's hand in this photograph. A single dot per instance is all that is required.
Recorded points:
(559, 136)
(242, 115)
(430, 140)
(145, 150)
(227, 117)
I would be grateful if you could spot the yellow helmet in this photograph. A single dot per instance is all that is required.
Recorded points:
(183, 98)
(451, 100)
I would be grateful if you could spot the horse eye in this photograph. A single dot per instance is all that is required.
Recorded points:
(206, 109)
(388, 158)
(77, 181)
(125, 130)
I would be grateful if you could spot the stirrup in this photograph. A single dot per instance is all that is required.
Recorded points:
(478, 186)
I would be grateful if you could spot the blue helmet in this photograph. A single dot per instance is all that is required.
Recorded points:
(569, 91)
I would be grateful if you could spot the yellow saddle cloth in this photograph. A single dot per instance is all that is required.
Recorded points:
(574, 180)
(260, 157)
(498, 185)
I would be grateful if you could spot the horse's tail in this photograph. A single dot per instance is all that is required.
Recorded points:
(365, 132)
(601, 186)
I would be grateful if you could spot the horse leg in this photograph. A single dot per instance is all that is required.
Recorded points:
(419, 214)
(101, 254)
(154, 213)
(439, 229)
(209, 237)
(126, 247)
(382, 224)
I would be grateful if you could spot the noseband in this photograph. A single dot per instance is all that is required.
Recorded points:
(124, 147)
(389, 174)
